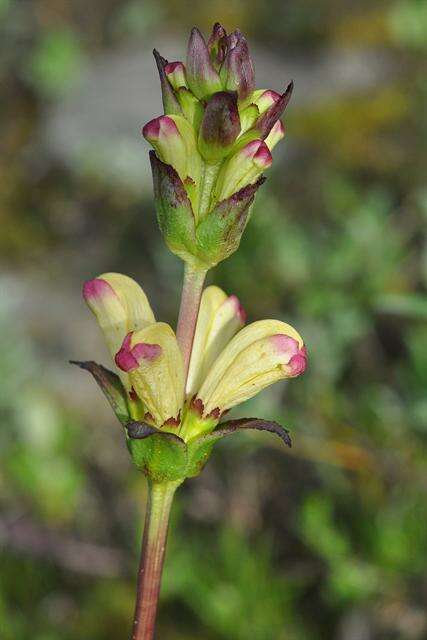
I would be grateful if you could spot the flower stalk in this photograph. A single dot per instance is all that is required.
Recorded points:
(190, 302)
(160, 496)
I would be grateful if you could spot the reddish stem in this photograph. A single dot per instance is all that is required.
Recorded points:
(190, 302)
(160, 498)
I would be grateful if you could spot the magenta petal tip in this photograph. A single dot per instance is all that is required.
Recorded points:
(96, 288)
(240, 312)
(129, 358)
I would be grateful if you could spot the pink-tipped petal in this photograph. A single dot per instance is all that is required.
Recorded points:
(171, 67)
(285, 344)
(239, 310)
(250, 149)
(175, 72)
(124, 358)
(96, 288)
(161, 126)
(298, 363)
(263, 157)
(289, 347)
(129, 358)
(271, 95)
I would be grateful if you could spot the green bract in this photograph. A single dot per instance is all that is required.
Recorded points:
(163, 456)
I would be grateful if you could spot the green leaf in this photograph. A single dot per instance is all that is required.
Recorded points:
(161, 455)
(111, 387)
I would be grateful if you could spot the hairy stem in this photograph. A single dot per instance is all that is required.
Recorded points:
(189, 310)
(160, 496)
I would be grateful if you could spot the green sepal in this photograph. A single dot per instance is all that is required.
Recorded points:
(200, 448)
(160, 455)
(111, 386)
(199, 451)
(219, 233)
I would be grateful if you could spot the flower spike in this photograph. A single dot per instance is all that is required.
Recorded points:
(217, 133)
(211, 147)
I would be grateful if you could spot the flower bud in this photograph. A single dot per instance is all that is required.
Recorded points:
(237, 71)
(259, 355)
(264, 99)
(217, 45)
(152, 359)
(162, 133)
(275, 135)
(220, 126)
(119, 305)
(243, 168)
(173, 139)
(202, 78)
(175, 73)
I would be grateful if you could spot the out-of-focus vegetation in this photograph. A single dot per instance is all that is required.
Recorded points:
(326, 541)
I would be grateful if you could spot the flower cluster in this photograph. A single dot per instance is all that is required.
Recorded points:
(228, 365)
(211, 146)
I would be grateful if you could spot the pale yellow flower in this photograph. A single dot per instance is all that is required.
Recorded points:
(229, 364)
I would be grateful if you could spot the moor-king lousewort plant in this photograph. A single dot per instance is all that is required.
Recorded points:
(171, 391)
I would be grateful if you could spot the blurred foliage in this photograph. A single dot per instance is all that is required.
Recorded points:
(326, 541)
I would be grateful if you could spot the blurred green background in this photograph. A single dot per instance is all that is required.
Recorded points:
(326, 541)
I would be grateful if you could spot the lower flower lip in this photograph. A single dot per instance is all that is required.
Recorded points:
(298, 363)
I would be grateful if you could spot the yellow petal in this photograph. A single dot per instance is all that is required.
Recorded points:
(220, 317)
(259, 355)
(120, 306)
(153, 361)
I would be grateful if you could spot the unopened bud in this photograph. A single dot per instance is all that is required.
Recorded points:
(202, 77)
(220, 126)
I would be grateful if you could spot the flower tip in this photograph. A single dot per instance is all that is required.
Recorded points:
(158, 126)
(298, 363)
(173, 66)
(175, 72)
(263, 157)
(294, 356)
(96, 288)
(271, 96)
(239, 310)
